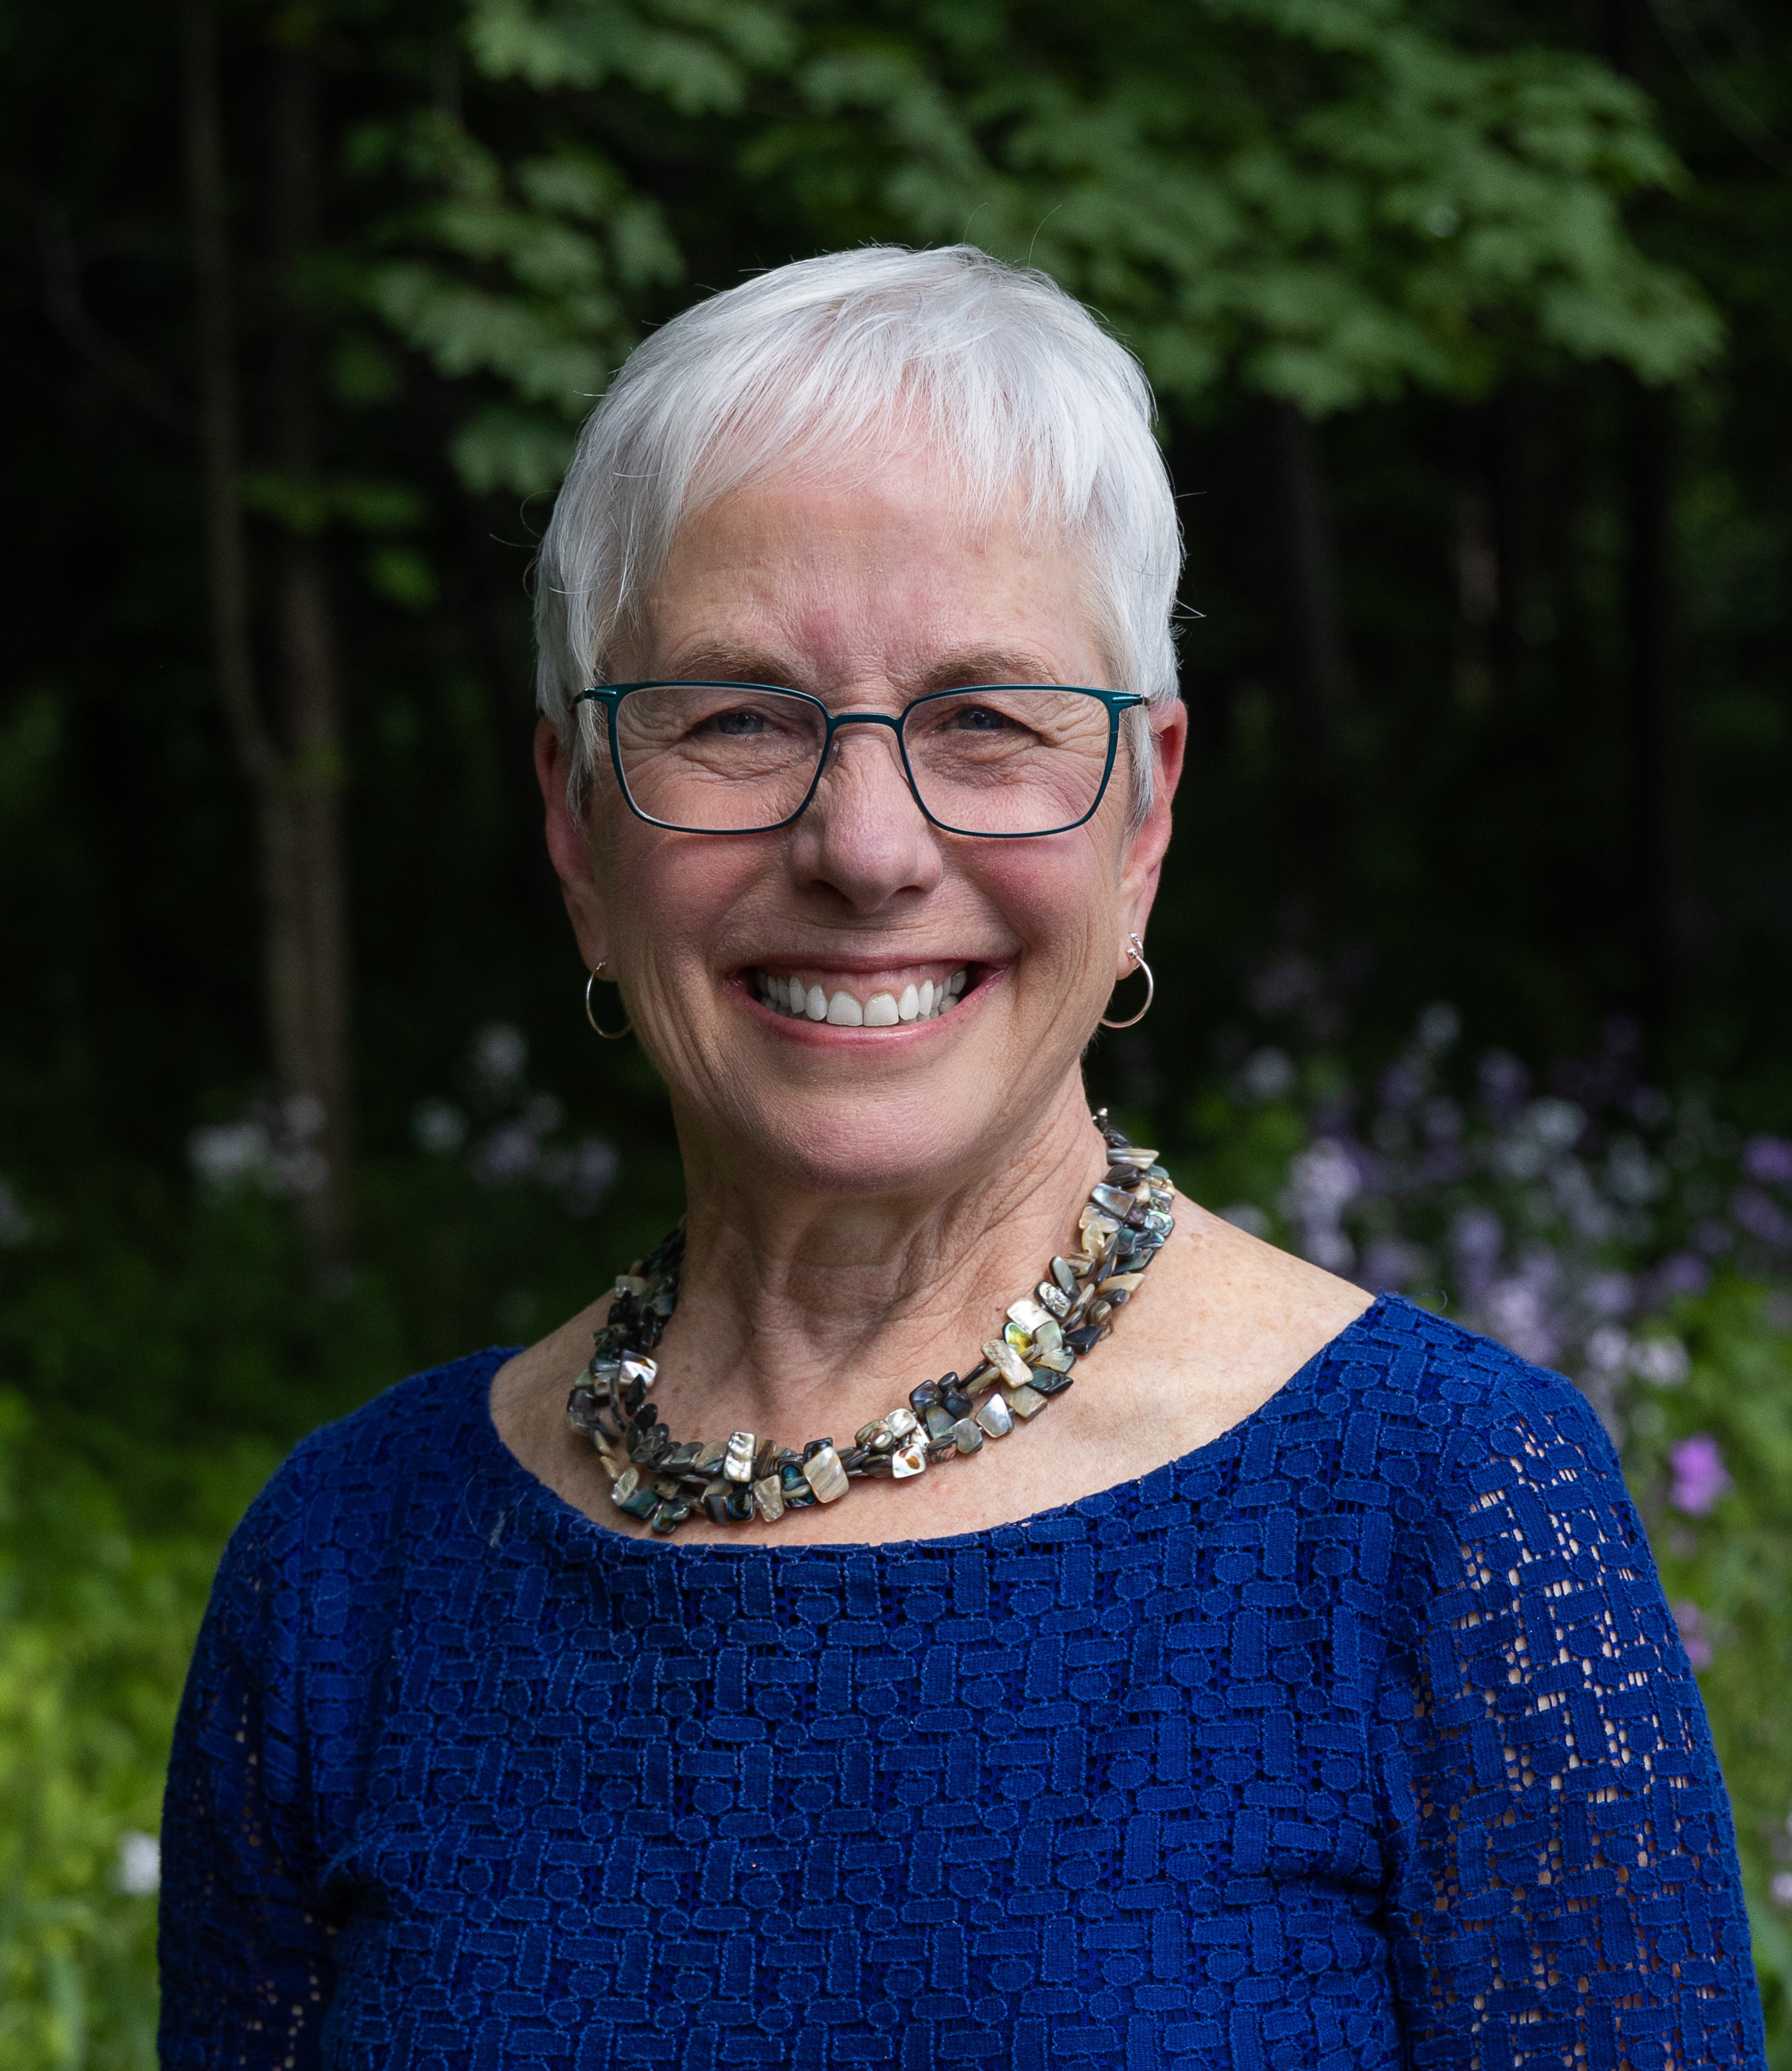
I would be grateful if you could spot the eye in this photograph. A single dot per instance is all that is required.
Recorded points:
(739, 723)
(981, 718)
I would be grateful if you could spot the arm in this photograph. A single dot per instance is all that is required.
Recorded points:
(246, 1961)
(1565, 1888)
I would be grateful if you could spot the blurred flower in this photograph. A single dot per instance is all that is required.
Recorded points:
(1779, 1890)
(1699, 1477)
(1504, 1081)
(137, 1871)
(439, 1127)
(15, 1225)
(582, 1175)
(1519, 1314)
(1439, 1026)
(1391, 1261)
(1609, 1350)
(1443, 1121)
(500, 1055)
(1285, 982)
(1321, 1179)
(1769, 1158)
(230, 1152)
(1680, 1273)
(1695, 1635)
(1761, 1216)
(507, 1155)
(1478, 1237)
(272, 1147)
(1630, 1173)
(1267, 1075)
(1664, 1363)
(1404, 1083)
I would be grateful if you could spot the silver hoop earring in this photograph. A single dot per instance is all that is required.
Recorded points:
(609, 1035)
(1135, 948)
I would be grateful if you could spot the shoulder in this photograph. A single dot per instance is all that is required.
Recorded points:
(1402, 1361)
(1451, 1427)
(389, 1469)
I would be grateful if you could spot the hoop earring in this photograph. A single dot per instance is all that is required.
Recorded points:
(609, 1035)
(1135, 948)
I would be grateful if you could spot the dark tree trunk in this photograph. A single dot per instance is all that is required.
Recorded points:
(1312, 634)
(1659, 791)
(316, 1021)
(1509, 421)
(293, 773)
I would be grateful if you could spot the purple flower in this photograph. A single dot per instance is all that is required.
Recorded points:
(1699, 1476)
(1694, 1636)
(1769, 1158)
(1761, 1216)
(1681, 1274)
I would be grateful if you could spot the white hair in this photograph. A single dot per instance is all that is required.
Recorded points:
(844, 358)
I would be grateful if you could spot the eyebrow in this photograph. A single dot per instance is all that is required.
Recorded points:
(726, 662)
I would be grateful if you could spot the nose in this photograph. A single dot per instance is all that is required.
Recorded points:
(864, 836)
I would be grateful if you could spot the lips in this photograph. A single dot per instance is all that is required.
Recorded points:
(847, 1000)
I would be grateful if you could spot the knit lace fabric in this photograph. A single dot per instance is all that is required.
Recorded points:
(1361, 1736)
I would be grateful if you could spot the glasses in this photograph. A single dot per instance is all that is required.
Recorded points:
(1002, 761)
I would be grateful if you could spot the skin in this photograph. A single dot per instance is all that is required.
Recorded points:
(865, 1202)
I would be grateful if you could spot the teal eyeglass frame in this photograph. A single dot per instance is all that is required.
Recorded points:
(609, 697)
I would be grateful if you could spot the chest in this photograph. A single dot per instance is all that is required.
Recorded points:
(1076, 1782)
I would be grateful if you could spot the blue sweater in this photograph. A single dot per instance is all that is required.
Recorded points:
(1359, 1737)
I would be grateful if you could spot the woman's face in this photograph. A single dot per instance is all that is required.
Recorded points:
(866, 595)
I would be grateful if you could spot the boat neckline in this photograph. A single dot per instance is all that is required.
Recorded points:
(551, 1515)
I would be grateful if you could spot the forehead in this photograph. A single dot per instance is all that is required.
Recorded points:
(876, 575)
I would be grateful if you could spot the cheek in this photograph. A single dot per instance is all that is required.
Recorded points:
(668, 898)
(1062, 902)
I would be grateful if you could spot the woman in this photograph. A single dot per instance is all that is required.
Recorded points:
(975, 1605)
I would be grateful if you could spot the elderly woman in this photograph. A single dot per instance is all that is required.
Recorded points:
(976, 1607)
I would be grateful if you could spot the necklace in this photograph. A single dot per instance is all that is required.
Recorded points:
(733, 1481)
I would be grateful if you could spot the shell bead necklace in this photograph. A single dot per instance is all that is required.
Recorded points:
(736, 1480)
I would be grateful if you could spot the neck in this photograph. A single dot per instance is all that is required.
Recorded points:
(801, 1312)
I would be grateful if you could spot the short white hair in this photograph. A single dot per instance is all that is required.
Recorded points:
(1010, 382)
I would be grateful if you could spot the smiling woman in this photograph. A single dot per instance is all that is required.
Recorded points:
(1184, 1661)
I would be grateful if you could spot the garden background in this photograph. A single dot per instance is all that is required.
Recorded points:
(1471, 325)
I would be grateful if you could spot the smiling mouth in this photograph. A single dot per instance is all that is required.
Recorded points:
(848, 1003)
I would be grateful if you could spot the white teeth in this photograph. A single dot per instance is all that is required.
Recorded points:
(883, 1009)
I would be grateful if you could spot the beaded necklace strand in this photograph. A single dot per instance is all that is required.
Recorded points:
(735, 1480)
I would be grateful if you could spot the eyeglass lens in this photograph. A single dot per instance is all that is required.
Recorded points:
(727, 758)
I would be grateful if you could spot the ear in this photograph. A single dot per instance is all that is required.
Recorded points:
(569, 846)
(1144, 851)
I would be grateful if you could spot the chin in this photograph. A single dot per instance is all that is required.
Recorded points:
(866, 1140)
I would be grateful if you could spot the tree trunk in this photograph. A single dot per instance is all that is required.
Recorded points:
(318, 1029)
(1312, 643)
(1312, 634)
(1660, 792)
(295, 782)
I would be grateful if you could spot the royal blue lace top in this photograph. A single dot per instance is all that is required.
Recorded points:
(1361, 1736)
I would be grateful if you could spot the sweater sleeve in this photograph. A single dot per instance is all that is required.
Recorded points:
(1564, 1889)
(246, 1960)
